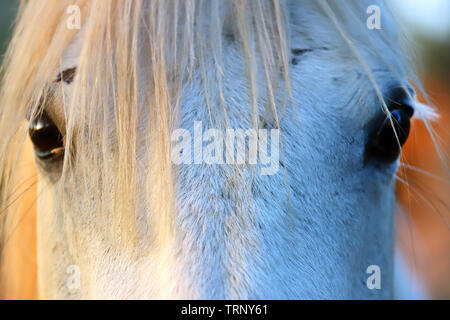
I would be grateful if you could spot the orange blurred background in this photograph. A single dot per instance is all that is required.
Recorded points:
(423, 232)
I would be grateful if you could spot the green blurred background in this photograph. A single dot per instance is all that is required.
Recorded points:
(8, 10)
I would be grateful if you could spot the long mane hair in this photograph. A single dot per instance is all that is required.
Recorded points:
(105, 110)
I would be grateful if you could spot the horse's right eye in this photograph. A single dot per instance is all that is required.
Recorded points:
(47, 139)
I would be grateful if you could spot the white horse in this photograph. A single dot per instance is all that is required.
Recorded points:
(114, 210)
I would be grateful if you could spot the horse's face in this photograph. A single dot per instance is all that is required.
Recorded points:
(311, 229)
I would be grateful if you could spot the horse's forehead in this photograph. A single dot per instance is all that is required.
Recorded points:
(312, 32)
(72, 53)
(311, 28)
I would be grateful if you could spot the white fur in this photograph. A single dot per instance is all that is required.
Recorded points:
(313, 239)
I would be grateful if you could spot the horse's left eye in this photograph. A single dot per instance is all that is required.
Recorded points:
(46, 137)
(386, 142)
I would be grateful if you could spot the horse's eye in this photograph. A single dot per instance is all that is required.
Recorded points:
(47, 139)
(386, 142)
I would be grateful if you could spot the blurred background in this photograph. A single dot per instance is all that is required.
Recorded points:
(422, 218)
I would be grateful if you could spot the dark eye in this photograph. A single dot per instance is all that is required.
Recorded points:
(47, 139)
(388, 138)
